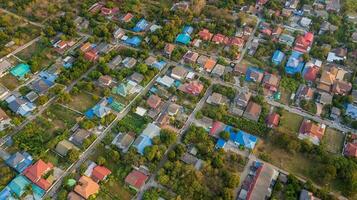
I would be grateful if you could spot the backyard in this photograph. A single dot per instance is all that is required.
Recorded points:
(82, 101)
(289, 122)
(333, 140)
(61, 117)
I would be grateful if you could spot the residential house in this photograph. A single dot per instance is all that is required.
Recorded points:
(129, 62)
(324, 98)
(105, 80)
(350, 149)
(19, 161)
(74, 196)
(306, 195)
(91, 55)
(292, 4)
(253, 47)
(286, 39)
(277, 31)
(295, 63)
(141, 25)
(311, 131)
(240, 69)
(307, 93)
(193, 88)
(215, 99)
(305, 22)
(124, 140)
(20, 106)
(354, 96)
(243, 98)
(101, 109)
(333, 5)
(254, 74)
(100, 173)
(326, 81)
(179, 72)
(192, 160)
(338, 54)
(136, 179)
(136, 77)
(304, 43)
(236, 41)
(169, 48)
(190, 57)
(205, 35)
(31, 96)
(4, 92)
(217, 128)
(273, 120)
(351, 111)
(133, 41)
(310, 73)
(220, 39)
(153, 101)
(241, 138)
(278, 57)
(209, 64)
(5, 121)
(218, 70)
(151, 131)
(64, 146)
(341, 87)
(118, 33)
(79, 137)
(271, 82)
(165, 81)
(252, 111)
(127, 88)
(173, 109)
(86, 187)
(141, 142)
(335, 113)
(127, 17)
(354, 36)
(37, 172)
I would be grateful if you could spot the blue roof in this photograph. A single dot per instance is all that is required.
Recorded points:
(351, 110)
(183, 38)
(140, 26)
(220, 143)
(18, 185)
(19, 161)
(153, 89)
(144, 141)
(133, 41)
(242, 138)
(187, 30)
(278, 57)
(159, 65)
(100, 109)
(250, 70)
(295, 63)
(48, 76)
(5, 194)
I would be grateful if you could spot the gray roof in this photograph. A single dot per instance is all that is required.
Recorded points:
(15, 105)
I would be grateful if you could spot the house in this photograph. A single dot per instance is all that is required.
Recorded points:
(209, 64)
(182, 5)
(278, 57)
(307, 93)
(241, 138)
(64, 146)
(310, 73)
(333, 5)
(271, 82)
(183, 38)
(129, 62)
(295, 63)
(311, 131)
(350, 149)
(254, 74)
(335, 113)
(165, 81)
(79, 137)
(217, 128)
(37, 172)
(292, 4)
(20, 106)
(190, 159)
(150, 60)
(31, 96)
(173, 109)
(153, 101)
(141, 25)
(252, 111)
(5, 65)
(118, 33)
(179, 72)
(100, 173)
(169, 48)
(105, 80)
(341, 87)
(133, 41)
(277, 31)
(218, 70)
(124, 140)
(18, 187)
(220, 39)
(127, 88)
(151, 131)
(305, 22)
(86, 187)
(136, 179)
(243, 98)
(236, 41)
(193, 88)
(338, 54)
(354, 36)
(109, 11)
(91, 55)
(127, 17)
(253, 47)
(351, 111)
(74, 196)
(141, 142)
(5, 121)
(326, 80)
(68, 62)
(205, 35)
(101, 109)
(19, 161)
(324, 98)
(215, 99)
(136, 77)
(354, 96)
(240, 69)
(190, 57)
(306, 195)
(286, 39)
(272, 120)
(304, 43)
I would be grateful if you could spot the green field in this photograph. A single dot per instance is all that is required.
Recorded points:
(82, 102)
(333, 140)
(289, 123)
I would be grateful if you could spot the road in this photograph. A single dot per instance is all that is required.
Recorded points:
(187, 124)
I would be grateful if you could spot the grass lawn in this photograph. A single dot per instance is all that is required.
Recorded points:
(285, 96)
(10, 81)
(61, 117)
(132, 122)
(333, 140)
(82, 102)
(289, 122)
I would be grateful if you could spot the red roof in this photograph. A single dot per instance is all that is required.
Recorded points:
(136, 179)
(267, 31)
(205, 34)
(194, 88)
(154, 101)
(36, 171)
(219, 39)
(312, 129)
(127, 17)
(311, 73)
(109, 11)
(273, 120)
(302, 43)
(91, 55)
(100, 173)
(236, 41)
(217, 127)
(309, 37)
(351, 149)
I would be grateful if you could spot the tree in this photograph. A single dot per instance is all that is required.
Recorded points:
(73, 155)
(101, 160)
(142, 68)
(150, 152)
(42, 99)
(224, 135)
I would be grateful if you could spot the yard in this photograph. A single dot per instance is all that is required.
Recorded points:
(285, 96)
(82, 102)
(333, 140)
(132, 122)
(10, 81)
(289, 123)
(61, 117)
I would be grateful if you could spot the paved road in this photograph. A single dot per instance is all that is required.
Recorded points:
(22, 47)
(189, 121)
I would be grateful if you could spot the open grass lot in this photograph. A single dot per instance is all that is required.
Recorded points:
(285, 96)
(132, 122)
(333, 140)
(61, 117)
(289, 122)
(82, 101)
(16, 30)
(10, 81)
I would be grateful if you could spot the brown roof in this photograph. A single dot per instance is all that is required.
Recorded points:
(169, 48)
(240, 68)
(341, 87)
(273, 119)
(105, 80)
(179, 71)
(154, 101)
(209, 64)
(310, 128)
(86, 187)
(3, 115)
(253, 111)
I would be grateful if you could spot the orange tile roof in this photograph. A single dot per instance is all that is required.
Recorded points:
(210, 63)
(36, 171)
(86, 187)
